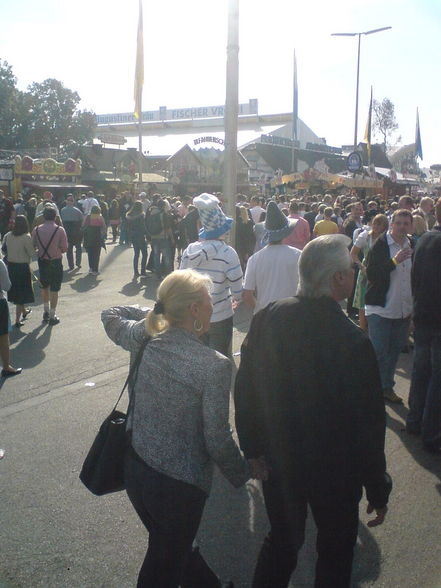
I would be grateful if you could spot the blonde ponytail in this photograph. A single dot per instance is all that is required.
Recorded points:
(174, 297)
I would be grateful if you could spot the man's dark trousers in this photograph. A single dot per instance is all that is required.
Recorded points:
(336, 537)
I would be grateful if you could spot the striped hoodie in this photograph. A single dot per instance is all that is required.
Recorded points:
(221, 262)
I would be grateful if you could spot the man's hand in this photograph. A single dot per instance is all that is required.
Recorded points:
(259, 468)
(235, 304)
(379, 519)
(403, 254)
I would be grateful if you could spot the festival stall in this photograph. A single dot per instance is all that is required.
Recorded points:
(321, 180)
(40, 175)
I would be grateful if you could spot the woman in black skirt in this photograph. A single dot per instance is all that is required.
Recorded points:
(5, 324)
(17, 244)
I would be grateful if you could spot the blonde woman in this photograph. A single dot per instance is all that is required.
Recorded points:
(179, 425)
(364, 243)
(419, 226)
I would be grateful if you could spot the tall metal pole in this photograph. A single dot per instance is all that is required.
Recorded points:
(356, 94)
(295, 112)
(231, 112)
(140, 152)
(373, 31)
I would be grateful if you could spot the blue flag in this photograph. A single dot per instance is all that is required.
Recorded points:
(418, 146)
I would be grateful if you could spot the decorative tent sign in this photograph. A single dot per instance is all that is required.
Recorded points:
(200, 140)
(354, 162)
(26, 166)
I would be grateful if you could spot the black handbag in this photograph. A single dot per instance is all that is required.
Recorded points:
(103, 468)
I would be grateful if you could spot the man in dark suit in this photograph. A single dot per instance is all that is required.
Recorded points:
(309, 404)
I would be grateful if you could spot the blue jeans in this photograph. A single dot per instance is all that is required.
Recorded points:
(162, 246)
(139, 247)
(388, 337)
(425, 389)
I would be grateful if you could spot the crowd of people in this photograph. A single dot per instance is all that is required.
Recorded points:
(339, 286)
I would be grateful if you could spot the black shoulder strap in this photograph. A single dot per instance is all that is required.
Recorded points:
(133, 372)
(46, 247)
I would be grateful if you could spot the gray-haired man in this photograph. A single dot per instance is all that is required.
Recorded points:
(309, 403)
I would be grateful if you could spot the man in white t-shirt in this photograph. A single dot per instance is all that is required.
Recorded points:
(89, 202)
(255, 209)
(272, 272)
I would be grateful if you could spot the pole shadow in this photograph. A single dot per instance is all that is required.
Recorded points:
(112, 255)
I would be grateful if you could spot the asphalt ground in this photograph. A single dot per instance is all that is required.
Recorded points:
(54, 533)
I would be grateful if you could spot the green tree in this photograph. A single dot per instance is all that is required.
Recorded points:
(10, 107)
(55, 120)
(384, 121)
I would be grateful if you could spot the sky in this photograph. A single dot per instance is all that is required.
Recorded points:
(90, 46)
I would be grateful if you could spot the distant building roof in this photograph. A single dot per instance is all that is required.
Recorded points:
(278, 157)
(402, 153)
(378, 156)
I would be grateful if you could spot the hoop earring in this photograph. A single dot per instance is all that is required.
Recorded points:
(197, 325)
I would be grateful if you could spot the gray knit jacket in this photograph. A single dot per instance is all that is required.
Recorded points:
(181, 402)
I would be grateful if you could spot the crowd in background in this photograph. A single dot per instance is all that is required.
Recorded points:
(161, 227)
(295, 260)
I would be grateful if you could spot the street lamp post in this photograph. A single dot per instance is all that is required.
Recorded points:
(358, 69)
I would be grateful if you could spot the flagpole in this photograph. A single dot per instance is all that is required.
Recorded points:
(140, 147)
(139, 82)
(295, 110)
(368, 131)
(418, 144)
(231, 113)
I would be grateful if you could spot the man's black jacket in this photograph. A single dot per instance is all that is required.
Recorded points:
(308, 396)
(426, 280)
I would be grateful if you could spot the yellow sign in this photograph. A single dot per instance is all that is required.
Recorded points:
(26, 166)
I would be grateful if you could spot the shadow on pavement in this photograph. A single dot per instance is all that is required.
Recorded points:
(412, 443)
(86, 283)
(132, 288)
(367, 559)
(29, 350)
(110, 256)
(404, 367)
(70, 275)
(150, 286)
(232, 530)
(234, 525)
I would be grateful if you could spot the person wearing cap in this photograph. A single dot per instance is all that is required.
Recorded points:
(272, 272)
(212, 256)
